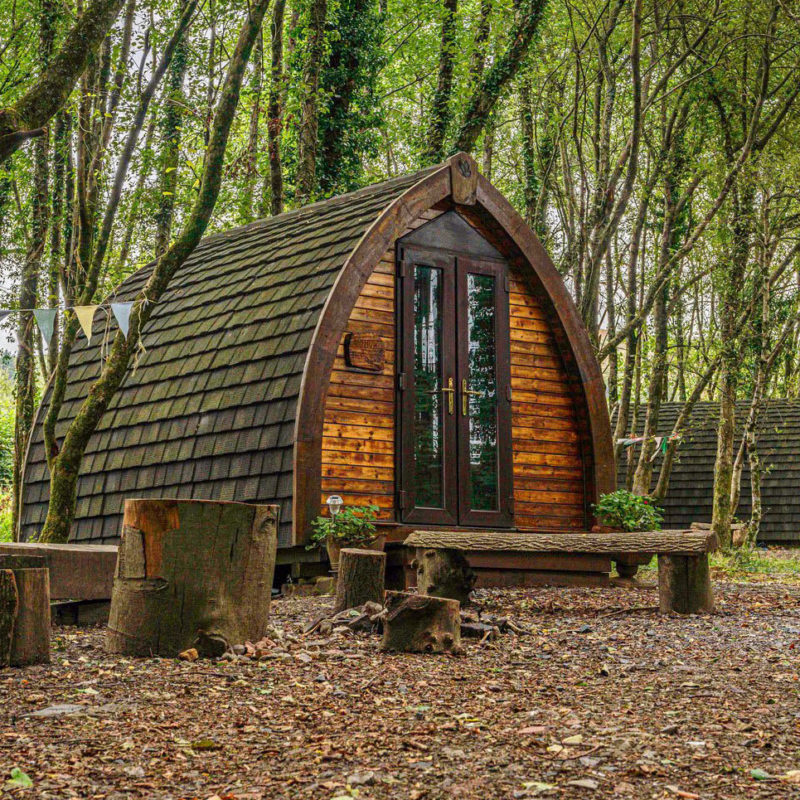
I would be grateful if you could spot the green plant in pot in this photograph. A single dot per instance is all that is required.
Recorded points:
(347, 526)
(625, 511)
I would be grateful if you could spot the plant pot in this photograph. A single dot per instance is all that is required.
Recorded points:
(334, 548)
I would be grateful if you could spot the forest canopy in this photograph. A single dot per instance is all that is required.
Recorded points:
(653, 147)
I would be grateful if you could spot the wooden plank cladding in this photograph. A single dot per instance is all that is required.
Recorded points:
(358, 439)
(549, 491)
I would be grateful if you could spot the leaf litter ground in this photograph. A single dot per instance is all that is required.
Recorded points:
(604, 698)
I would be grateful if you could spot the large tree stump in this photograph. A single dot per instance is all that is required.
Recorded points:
(191, 573)
(26, 629)
(684, 584)
(444, 573)
(360, 579)
(417, 623)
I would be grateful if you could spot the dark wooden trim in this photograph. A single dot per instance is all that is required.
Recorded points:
(391, 224)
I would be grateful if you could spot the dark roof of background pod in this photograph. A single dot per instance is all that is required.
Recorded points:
(690, 494)
(209, 410)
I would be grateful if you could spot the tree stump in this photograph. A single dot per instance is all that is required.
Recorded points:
(9, 603)
(361, 578)
(684, 584)
(191, 573)
(444, 573)
(417, 623)
(25, 630)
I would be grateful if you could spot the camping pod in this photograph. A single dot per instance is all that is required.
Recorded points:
(409, 346)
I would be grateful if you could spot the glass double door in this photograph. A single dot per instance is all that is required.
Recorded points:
(455, 427)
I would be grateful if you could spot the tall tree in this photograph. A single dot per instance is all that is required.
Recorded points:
(65, 467)
(441, 113)
(308, 128)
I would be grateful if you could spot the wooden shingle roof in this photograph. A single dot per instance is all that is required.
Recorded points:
(689, 498)
(209, 410)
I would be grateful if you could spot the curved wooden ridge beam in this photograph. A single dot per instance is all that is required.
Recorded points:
(685, 543)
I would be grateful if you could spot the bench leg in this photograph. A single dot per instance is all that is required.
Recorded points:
(443, 573)
(684, 584)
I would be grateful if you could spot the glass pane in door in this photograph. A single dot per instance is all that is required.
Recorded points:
(482, 387)
(428, 395)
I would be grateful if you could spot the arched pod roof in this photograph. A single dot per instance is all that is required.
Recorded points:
(209, 411)
(226, 400)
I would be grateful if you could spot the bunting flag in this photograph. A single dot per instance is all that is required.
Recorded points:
(46, 320)
(85, 315)
(122, 313)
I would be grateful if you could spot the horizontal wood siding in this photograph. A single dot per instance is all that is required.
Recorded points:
(358, 442)
(549, 489)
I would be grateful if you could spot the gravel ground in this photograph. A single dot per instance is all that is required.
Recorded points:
(603, 698)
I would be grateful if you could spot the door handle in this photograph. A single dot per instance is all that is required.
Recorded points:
(465, 397)
(450, 391)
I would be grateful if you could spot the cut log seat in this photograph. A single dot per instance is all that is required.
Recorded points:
(684, 583)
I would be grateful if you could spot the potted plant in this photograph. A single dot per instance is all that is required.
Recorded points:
(625, 511)
(352, 526)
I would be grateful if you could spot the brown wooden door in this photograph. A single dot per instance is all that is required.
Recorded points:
(454, 390)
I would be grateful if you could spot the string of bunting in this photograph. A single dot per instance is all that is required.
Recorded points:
(46, 317)
(661, 442)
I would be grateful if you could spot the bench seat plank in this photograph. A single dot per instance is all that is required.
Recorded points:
(672, 542)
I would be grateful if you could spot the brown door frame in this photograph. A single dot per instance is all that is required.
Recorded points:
(408, 258)
(455, 269)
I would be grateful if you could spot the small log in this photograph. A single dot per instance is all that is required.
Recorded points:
(360, 579)
(418, 623)
(191, 574)
(684, 585)
(9, 603)
(444, 573)
(30, 632)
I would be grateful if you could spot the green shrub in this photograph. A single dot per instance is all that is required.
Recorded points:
(5, 516)
(627, 511)
(353, 526)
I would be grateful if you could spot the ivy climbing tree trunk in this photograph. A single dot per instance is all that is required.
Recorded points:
(66, 465)
(440, 114)
(274, 183)
(309, 103)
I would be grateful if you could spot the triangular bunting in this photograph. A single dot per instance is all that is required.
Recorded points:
(46, 320)
(122, 313)
(85, 315)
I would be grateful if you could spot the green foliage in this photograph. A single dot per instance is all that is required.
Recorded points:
(353, 526)
(626, 511)
(18, 779)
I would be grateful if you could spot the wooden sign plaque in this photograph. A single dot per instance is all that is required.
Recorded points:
(364, 351)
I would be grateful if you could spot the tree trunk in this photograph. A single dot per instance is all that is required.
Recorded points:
(66, 466)
(274, 114)
(684, 585)
(421, 624)
(444, 573)
(30, 640)
(9, 604)
(251, 156)
(171, 127)
(440, 110)
(361, 578)
(191, 573)
(309, 105)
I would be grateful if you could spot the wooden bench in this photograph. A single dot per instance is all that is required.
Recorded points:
(684, 584)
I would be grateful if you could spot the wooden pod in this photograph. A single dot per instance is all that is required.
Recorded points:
(418, 623)
(24, 630)
(361, 578)
(191, 573)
